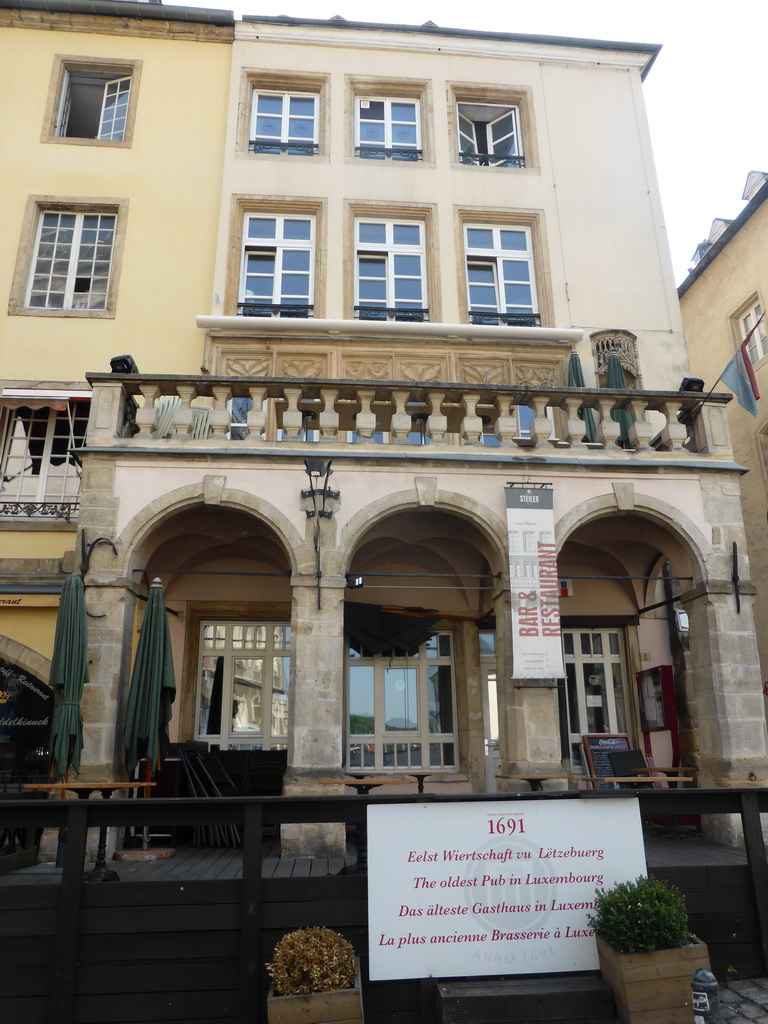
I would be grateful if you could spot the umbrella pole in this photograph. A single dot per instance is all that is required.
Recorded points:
(147, 791)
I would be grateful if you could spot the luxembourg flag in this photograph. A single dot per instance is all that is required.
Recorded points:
(740, 377)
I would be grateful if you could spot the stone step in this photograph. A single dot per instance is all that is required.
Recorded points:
(578, 999)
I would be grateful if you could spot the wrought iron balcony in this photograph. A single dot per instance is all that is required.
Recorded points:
(492, 160)
(395, 153)
(65, 510)
(413, 316)
(270, 146)
(271, 309)
(508, 319)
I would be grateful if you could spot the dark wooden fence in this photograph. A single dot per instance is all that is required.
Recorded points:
(193, 952)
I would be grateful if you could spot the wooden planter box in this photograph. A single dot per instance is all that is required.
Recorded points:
(344, 1006)
(652, 987)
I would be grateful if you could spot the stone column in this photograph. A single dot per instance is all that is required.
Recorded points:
(316, 709)
(529, 721)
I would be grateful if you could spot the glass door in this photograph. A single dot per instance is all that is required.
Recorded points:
(595, 684)
(242, 689)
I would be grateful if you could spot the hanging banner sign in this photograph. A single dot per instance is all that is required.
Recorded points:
(533, 582)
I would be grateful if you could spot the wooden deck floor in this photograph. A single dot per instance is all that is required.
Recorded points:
(208, 863)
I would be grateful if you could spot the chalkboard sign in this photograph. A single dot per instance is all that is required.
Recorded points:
(598, 748)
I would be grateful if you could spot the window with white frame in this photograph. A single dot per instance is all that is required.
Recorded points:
(242, 685)
(500, 276)
(754, 318)
(489, 135)
(283, 122)
(401, 709)
(387, 128)
(595, 684)
(277, 265)
(73, 260)
(390, 272)
(94, 103)
(37, 467)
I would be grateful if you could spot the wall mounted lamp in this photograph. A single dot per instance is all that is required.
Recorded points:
(318, 470)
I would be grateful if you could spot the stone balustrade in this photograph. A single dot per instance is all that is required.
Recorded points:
(251, 412)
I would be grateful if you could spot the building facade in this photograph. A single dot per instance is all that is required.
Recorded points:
(722, 300)
(354, 336)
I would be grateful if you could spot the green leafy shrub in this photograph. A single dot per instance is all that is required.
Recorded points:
(641, 916)
(312, 960)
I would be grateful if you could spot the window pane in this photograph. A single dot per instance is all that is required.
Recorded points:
(408, 289)
(404, 135)
(247, 694)
(480, 238)
(517, 295)
(372, 110)
(372, 133)
(516, 270)
(406, 234)
(404, 112)
(361, 707)
(439, 699)
(514, 240)
(209, 710)
(372, 232)
(268, 127)
(297, 229)
(269, 104)
(400, 701)
(302, 106)
(481, 273)
(407, 266)
(261, 227)
(296, 259)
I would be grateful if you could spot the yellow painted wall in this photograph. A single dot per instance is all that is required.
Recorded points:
(32, 627)
(34, 544)
(170, 175)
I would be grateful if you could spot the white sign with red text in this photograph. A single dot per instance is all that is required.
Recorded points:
(534, 585)
(488, 888)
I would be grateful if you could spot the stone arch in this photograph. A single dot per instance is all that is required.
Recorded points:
(478, 516)
(140, 528)
(680, 527)
(25, 658)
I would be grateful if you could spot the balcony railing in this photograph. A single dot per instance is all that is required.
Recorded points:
(395, 153)
(294, 148)
(451, 417)
(491, 160)
(65, 510)
(269, 309)
(493, 318)
(413, 316)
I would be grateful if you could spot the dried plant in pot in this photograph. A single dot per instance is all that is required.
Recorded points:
(315, 979)
(647, 953)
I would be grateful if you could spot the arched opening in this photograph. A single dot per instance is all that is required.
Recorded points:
(624, 637)
(421, 664)
(226, 577)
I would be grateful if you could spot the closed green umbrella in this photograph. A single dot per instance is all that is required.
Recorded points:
(69, 674)
(615, 379)
(153, 688)
(576, 380)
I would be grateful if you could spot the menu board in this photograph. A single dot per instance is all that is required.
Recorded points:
(598, 748)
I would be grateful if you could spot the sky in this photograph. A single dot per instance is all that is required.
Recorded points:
(705, 94)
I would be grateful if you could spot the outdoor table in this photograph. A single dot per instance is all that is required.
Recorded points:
(363, 787)
(422, 776)
(100, 872)
(534, 779)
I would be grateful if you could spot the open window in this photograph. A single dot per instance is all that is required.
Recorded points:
(489, 135)
(39, 474)
(92, 100)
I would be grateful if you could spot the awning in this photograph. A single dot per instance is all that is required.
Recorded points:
(375, 631)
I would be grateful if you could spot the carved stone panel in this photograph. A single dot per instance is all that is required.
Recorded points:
(368, 369)
(301, 366)
(244, 366)
(537, 376)
(420, 370)
(485, 372)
